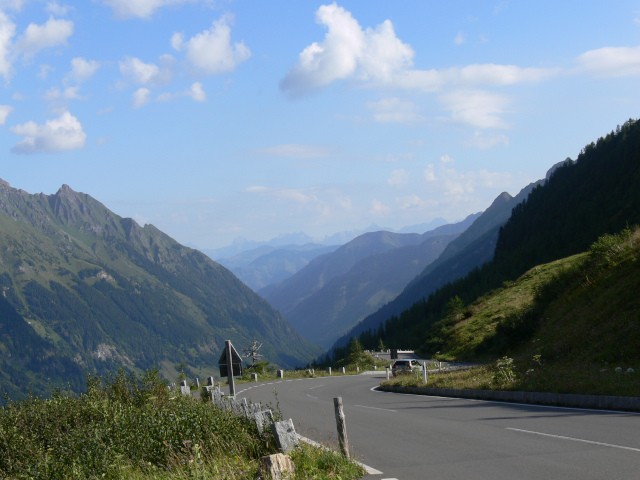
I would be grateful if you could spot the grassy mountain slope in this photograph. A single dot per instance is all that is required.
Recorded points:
(568, 324)
(102, 291)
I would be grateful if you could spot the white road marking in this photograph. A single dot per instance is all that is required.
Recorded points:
(317, 386)
(376, 408)
(575, 439)
(311, 396)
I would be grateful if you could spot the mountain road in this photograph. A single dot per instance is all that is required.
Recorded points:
(408, 437)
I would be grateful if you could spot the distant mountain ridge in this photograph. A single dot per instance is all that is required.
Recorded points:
(99, 291)
(336, 290)
(266, 265)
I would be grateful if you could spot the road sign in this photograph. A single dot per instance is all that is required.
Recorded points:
(236, 361)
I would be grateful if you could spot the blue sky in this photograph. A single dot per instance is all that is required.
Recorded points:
(221, 119)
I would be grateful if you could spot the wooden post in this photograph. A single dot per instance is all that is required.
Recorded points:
(232, 385)
(342, 426)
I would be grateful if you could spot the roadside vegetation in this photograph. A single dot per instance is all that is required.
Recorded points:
(126, 427)
(570, 326)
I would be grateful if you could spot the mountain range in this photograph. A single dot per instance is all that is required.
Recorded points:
(85, 290)
(336, 290)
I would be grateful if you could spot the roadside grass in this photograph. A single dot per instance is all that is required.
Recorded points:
(125, 427)
(586, 379)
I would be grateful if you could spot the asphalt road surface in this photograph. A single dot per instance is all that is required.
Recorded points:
(408, 437)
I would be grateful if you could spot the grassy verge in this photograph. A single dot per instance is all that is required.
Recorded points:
(131, 428)
(536, 376)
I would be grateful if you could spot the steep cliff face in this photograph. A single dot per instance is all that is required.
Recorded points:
(87, 281)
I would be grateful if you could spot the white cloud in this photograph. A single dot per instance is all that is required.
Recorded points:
(345, 48)
(379, 57)
(460, 38)
(177, 41)
(294, 150)
(379, 209)
(484, 142)
(55, 8)
(141, 97)
(211, 52)
(60, 134)
(53, 33)
(452, 182)
(5, 110)
(7, 31)
(429, 173)
(82, 69)
(44, 71)
(17, 96)
(140, 8)
(446, 159)
(395, 110)
(11, 4)
(196, 92)
(476, 108)
(398, 178)
(69, 93)
(411, 201)
(611, 61)
(138, 72)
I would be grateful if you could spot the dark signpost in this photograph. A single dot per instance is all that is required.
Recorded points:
(236, 365)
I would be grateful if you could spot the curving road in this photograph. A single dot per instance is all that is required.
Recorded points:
(409, 437)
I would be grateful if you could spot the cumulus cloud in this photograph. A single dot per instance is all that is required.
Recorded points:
(60, 134)
(53, 33)
(7, 31)
(452, 182)
(294, 150)
(82, 69)
(138, 72)
(11, 4)
(398, 178)
(483, 142)
(395, 110)
(429, 173)
(411, 201)
(476, 108)
(141, 97)
(196, 92)
(611, 61)
(56, 9)
(69, 93)
(140, 8)
(210, 52)
(378, 56)
(379, 209)
(346, 50)
(5, 110)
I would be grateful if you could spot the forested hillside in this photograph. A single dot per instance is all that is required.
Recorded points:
(85, 290)
(597, 194)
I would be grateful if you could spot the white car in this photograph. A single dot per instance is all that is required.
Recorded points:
(402, 366)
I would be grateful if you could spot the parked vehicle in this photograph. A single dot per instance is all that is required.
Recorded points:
(404, 366)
